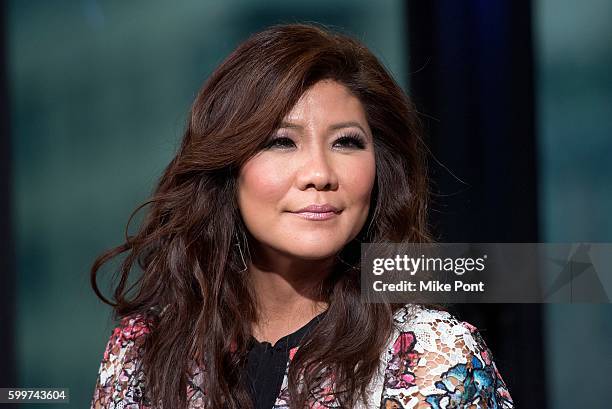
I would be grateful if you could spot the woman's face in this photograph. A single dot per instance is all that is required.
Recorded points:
(322, 154)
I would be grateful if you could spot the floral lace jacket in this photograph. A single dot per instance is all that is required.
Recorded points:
(433, 360)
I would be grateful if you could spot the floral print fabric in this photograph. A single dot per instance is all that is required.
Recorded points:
(120, 382)
(437, 361)
(433, 360)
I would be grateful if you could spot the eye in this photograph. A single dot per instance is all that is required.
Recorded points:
(352, 141)
(282, 142)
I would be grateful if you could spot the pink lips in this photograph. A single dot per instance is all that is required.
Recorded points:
(318, 212)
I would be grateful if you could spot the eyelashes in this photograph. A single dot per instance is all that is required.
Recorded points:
(349, 140)
(354, 139)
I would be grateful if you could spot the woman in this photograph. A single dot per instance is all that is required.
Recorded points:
(299, 147)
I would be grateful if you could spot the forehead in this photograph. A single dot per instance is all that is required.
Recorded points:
(327, 101)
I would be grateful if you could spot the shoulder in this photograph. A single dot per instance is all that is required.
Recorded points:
(120, 378)
(435, 358)
(126, 340)
(435, 329)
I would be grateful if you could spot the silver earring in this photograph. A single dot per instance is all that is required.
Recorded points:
(350, 266)
(241, 255)
(340, 259)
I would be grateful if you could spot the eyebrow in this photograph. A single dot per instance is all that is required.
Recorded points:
(333, 127)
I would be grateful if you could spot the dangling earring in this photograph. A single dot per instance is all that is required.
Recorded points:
(340, 259)
(350, 266)
(241, 255)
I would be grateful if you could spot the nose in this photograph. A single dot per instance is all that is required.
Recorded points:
(317, 171)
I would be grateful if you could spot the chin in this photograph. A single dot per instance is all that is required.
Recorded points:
(316, 251)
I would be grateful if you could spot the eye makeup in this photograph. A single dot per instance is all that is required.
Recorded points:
(349, 139)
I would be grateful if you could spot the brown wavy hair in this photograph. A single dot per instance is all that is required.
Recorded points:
(184, 254)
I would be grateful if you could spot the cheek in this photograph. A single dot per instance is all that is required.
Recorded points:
(261, 182)
(359, 178)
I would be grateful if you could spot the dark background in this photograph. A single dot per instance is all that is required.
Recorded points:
(516, 97)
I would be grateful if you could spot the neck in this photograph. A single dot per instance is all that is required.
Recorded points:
(287, 293)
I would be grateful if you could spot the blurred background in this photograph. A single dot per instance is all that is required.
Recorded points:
(516, 97)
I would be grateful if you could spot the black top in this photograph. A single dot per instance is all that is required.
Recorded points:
(266, 365)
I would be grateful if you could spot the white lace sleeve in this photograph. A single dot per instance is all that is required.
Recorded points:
(437, 361)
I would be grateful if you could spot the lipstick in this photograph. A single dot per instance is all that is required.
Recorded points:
(318, 212)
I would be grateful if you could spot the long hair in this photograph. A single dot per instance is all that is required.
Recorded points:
(184, 253)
